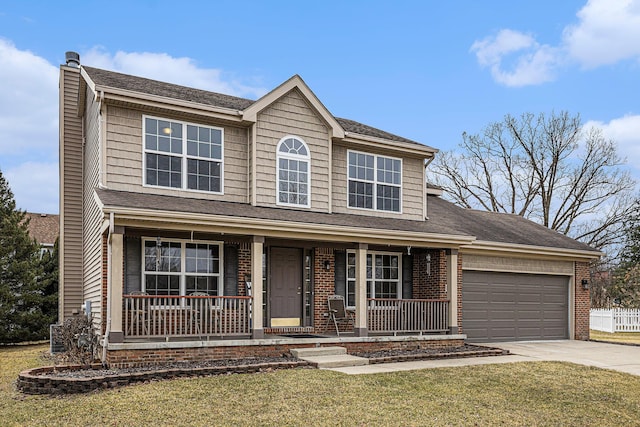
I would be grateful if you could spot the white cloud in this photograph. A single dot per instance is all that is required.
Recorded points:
(607, 32)
(29, 111)
(161, 66)
(28, 103)
(534, 63)
(625, 131)
(34, 186)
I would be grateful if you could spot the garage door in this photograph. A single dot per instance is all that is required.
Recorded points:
(511, 307)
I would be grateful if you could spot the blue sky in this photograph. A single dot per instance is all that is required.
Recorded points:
(426, 70)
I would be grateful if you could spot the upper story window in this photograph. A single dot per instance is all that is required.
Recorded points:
(182, 155)
(293, 172)
(375, 182)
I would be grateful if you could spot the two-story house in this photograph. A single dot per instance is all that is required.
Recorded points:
(201, 225)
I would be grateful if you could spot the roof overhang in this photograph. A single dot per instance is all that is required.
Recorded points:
(422, 151)
(481, 247)
(151, 218)
(250, 114)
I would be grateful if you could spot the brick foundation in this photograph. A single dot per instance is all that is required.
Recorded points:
(150, 357)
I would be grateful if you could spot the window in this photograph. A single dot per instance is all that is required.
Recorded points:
(293, 172)
(181, 267)
(183, 155)
(375, 182)
(383, 276)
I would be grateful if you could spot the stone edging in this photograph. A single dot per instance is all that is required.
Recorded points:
(32, 381)
(452, 355)
(633, 344)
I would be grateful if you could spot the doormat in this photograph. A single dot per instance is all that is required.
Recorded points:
(302, 336)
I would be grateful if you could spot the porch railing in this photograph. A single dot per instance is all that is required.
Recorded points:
(403, 315)
(149, 316)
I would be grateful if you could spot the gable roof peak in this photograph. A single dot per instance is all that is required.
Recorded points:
(250, 114)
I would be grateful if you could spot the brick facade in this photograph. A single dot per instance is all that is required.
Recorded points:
(244, 266)
(583, 301)
(323, 285)
(430, 274)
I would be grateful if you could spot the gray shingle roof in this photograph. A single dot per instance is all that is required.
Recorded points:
(168, 90)
(499, 227)
(444, 218)
(180, 204)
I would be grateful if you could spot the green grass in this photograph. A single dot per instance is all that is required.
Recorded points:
(544, 393)
(618, 337)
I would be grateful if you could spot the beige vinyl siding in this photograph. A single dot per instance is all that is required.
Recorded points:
(92, 240)
(412, 187)
(70, 195)
(291, 115)
(125, 151)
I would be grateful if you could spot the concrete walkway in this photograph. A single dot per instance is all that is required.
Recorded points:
(617, 357)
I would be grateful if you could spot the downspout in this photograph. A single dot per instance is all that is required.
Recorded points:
(107, 331)
(424, 207)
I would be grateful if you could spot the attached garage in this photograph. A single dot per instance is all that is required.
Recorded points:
(502, 306)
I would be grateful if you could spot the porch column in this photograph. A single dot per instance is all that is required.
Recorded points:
(361, 329)
(256, 286)
(452, 289)
(116, 270)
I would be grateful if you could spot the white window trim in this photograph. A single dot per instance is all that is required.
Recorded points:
(182, 156)
(183, 265)
(298, 157)
(375, 182)
(373, 288)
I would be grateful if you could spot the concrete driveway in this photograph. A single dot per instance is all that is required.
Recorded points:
(617, 357)
(623, 358)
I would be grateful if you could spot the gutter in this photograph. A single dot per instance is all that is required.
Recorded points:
(424, 189)
(482, 247)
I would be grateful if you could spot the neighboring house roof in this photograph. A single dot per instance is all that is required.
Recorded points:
(500, 227)
(168, 90)
(44, 228)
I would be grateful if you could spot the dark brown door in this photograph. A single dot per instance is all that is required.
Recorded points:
(285, 268)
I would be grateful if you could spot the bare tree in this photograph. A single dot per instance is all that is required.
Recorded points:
(545, 168)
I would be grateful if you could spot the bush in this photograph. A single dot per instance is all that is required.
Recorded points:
(80, 341)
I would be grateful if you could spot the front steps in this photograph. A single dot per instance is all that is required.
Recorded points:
(329, 357)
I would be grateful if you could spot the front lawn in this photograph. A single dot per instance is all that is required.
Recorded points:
(618, 337)
(544, 393)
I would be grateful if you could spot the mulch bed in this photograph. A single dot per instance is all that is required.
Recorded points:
(404, 355)
(70, 379)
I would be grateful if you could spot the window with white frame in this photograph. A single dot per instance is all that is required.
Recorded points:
(182, 155)
(383, 276)
(177, 267)
(293, 160)
(375, 182)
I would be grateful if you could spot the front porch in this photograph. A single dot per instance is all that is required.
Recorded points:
(173, 295)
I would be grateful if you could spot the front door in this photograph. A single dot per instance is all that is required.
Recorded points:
(285, 299)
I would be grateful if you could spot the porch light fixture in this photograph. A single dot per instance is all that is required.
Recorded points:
(408, 250)
(327, 264)
(585, 284)
(427, 258)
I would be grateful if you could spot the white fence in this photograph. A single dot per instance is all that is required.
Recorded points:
(615, 320)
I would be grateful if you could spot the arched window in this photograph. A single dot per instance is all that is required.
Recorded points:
(293, 172)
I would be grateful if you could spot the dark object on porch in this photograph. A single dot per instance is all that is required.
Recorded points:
(337, 311)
